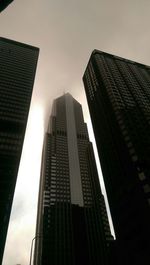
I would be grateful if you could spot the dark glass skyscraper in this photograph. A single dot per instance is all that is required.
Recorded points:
(17, 71)
(72, 223)
(118, 94)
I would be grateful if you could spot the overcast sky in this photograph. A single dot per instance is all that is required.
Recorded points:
(66, 31)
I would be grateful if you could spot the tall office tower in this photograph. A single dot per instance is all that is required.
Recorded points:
(17, 71)
(72, 223)
(118, 94)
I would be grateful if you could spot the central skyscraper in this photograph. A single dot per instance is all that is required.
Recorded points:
(72, 223)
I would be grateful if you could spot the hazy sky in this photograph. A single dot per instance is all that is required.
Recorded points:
(66, 31)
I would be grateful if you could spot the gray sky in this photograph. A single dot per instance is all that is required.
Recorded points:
(66, 31)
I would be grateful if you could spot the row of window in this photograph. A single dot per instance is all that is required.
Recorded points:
(11, 114)
(5, 104)
(16, 99)
(10, 135)
(12, 118)
(16, 86)
(9, 141)
(9, 147)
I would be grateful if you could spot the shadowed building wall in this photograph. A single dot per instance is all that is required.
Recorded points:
(17, 71)
(72, 223)
(118, 94)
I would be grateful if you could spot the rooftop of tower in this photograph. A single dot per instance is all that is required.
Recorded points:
(95, 52)
(19, 43)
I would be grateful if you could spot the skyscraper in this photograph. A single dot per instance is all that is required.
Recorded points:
(118, 94)
(17, 71)
(72, 223)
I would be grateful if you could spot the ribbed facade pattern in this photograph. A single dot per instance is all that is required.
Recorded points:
(72, 230)
(118, 94)
(17, 70)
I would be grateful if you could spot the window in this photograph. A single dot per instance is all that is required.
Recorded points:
(129, 144)
(146, 188)
(127, 138)
(134, 158)
(131, 151)
(141, 176)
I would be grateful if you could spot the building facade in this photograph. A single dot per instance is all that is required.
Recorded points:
(72, 223)
(118, 95)
(17, 71)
